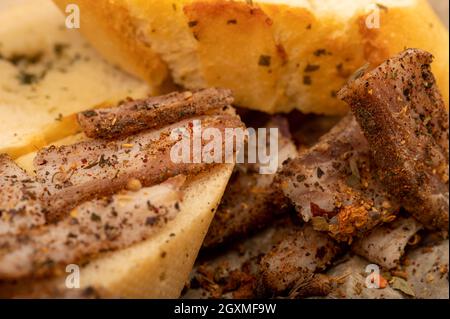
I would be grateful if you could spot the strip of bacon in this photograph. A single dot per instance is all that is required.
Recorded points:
(20, 208)
(403, 116)
(79, 172)
(101, 225)
(137, 115)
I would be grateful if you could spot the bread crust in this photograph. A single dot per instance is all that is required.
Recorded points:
(277, 57)
(113, 32)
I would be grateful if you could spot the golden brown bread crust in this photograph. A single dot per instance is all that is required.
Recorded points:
(237, 50)
(276, 57)
(115, 40)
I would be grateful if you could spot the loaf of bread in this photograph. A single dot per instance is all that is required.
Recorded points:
(276, 55)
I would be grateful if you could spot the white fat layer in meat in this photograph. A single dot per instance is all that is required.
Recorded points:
(386, 244)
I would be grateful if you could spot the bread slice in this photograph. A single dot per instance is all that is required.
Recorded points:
(276, 55)
(156, 268)
(47, 73)
(38, 109)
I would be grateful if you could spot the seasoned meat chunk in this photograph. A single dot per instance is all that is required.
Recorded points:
(250, 201)
(386, 244)
(405, 121)
(296, 259)
(75, 173)
(332, 184)
(137, 115)
(93, 227)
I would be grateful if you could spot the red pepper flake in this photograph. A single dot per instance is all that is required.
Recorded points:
(383, 283)
(282, 53)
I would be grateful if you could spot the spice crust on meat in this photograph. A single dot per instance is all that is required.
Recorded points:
(405, 121)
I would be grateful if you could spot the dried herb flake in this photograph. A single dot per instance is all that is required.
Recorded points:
(402, 285)
(312, 67)
(265, 60)
(95, 217)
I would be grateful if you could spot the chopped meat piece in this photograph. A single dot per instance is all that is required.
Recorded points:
(236, 283)
(135, 116)
(333, 185)
(243, 284)
(318, 285)
(20, 208)
(350, 276)
(385, 245)
(79, 172)
(307, 129)
(404, 119)
(248, 205)
(235, 266)
(427, 271)
(293, 261)
(250, 202)
(98, 226)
